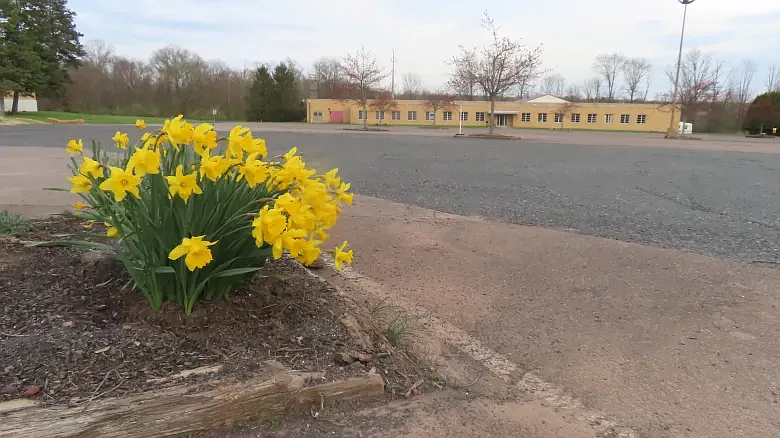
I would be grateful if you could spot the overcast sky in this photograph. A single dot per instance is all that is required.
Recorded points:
(426, 34)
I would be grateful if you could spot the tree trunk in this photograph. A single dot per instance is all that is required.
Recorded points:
(492, 124)
(15, 105)
(434, 117)
(365, 115)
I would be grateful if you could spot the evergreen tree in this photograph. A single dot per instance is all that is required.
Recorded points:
(277, 97)
(263, 104)
(39, 43)
(764, 113)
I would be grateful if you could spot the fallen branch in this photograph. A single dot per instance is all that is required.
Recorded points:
(415, 386)
(474, 382)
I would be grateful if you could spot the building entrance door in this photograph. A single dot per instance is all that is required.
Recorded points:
(501, 119)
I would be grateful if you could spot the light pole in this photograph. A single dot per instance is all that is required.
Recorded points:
(672, 132)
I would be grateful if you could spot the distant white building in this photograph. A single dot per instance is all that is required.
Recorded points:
(27, 104)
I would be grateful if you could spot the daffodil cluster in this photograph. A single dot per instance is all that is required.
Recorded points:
(195, 212)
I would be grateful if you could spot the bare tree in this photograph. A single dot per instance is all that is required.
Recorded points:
(609, 66)
(330, 78)
(740, 84)
(573, 93)
(772, 80)
(699, 82)
(364, 74)
(462, 82)
(564, 109)
(553, 84)
(636, 72)
(498, 67)
(593, 88)
(383, 101)
(438, 100)
(412, 84)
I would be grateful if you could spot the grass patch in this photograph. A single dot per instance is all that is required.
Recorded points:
(395, 322)
(12, 224)
(93, 119)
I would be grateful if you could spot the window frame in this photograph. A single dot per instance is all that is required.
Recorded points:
(430, 116)
(558, 118)
(393, 115)
(627, 118)
(524, 119)
(411, 116)
(379, 115)
(641, 119)
(541, 117)
(464, 116)
(479, 116)
(362, 115)
(593, 118)
(608, 118)
(575, 117)
(446, 116)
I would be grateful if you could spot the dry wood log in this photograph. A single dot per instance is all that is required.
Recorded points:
(179, 410)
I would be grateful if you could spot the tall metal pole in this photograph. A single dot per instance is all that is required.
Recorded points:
(392, 81)
(672, 132)
(460, 120)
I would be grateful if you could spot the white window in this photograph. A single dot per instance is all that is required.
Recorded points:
(446, 115)
(608, 118)
(525, 117)
(625, 119)
(430, 116)
(361, 115)
(558, 117)
(411, 115)
(541, 117)
(464, 117)
(575, 118)
(380, 115)
(592, 118)
(396, 115)
(641, 119)
(480, 117)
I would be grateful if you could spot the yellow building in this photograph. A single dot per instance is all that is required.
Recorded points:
(546, 112)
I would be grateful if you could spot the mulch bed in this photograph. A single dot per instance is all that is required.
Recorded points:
(70, 332)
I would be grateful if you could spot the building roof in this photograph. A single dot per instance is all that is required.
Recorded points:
(547, 98)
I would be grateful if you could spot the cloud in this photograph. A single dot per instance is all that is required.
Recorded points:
(426, 34)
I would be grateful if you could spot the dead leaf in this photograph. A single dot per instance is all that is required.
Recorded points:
(102, 350)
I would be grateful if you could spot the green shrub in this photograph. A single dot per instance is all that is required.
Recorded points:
(13, 224)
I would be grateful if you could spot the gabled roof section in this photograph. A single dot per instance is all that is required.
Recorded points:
(548, 98)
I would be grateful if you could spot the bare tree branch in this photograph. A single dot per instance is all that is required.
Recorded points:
(608, 66)
(636, 72)
(412, 84)
(363, 74)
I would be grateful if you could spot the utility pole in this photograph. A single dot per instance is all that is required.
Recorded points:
(392, 81)
(672, 131)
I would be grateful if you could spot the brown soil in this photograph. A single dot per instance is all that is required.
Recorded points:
(72, 327)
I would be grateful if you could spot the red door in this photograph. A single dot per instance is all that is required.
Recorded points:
(337, 117)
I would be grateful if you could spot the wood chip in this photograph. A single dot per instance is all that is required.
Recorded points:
(102, 350)
(187, 373)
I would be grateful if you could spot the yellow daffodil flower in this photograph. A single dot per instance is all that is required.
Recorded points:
(255, 171)
(88, 225)
(179, 131)
(212, 167)
(310, 252)
(75, 146)
(257, 147)
(144, 161)
(80, 184)
(196, 250)
(121, 182)
(120, 140)
(111, 230)
(204, 137)
(91, 167)
(343, 195)
(79, 205)
(294, 241)
(268, 226)
(300, 214)
(183, 185)
(239, 140)
(140, 124)
(331, 178)
(342, 256)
